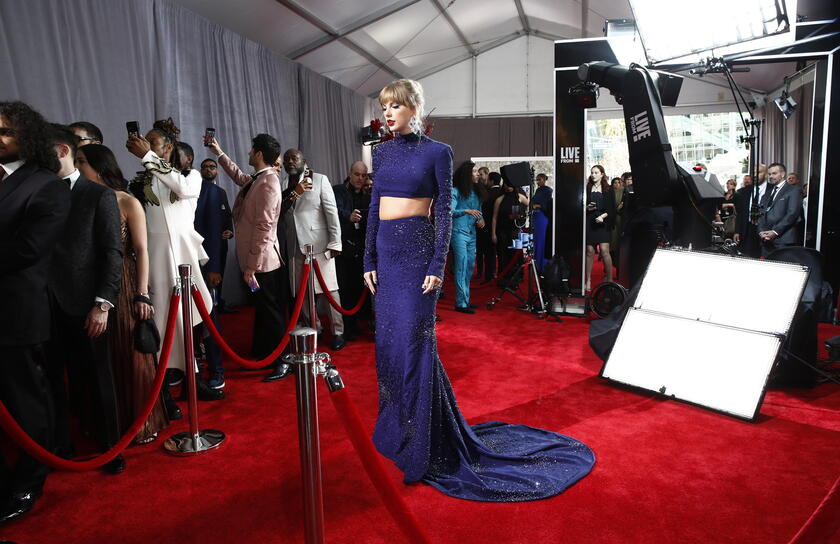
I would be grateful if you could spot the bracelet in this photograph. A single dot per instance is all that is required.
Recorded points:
(142, 298)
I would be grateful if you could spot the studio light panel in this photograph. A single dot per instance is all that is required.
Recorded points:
(707, 328)
(719, 367)
(737, 292)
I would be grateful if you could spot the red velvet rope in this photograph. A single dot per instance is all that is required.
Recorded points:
(250, 363)
(25, 442)
(330, 298)
(372, 463)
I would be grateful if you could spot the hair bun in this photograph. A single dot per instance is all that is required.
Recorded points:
(168, 127)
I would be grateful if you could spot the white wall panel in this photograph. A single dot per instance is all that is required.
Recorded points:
(502, 79)
(540, 75)
(450, 91)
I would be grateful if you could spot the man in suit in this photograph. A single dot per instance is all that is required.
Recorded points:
(212, 219)
(87, 132)
(256, 213)
(353, 203)
(747, 202)
(83, 283)
(316, 223)
(782, 204)
(34, 205)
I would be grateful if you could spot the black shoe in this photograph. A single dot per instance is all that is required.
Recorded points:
(464, 310)
(115, 465)
(338, 342)
(205, 392)
(172, 410)
(280, 371)
(216, 381)
(174, 376)
(17, 505)
(472, 306)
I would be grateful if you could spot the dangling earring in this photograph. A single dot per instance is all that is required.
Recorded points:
(414, 125)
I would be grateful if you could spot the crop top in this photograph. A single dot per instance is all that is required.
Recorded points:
(412, 166)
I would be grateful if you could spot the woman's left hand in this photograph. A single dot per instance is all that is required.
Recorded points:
(138, 146)
(144, 311)
(480, 223)
(431, 283)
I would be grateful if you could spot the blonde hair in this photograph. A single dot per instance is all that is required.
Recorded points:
(405, 92)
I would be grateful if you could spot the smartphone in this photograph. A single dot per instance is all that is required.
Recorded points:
(132, 128)
(209, 134)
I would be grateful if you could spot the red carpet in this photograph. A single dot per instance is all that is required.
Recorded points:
(665, 471)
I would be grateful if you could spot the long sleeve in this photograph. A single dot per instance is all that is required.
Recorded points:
(793, 208)
(330, 212)
(186, 187)
(457, 210)
(212, 226)
(443, 211)
(265, 197)
(37, 233)
(227, 217)
(232, 170)
(372, 230)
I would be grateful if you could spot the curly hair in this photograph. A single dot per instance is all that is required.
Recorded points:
(462, 179)
(34, 134)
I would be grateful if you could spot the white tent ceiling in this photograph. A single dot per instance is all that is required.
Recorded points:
(364, 44)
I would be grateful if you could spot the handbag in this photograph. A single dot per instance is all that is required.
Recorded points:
(146, 337)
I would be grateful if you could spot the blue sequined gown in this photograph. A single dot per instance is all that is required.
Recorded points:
(419, 426)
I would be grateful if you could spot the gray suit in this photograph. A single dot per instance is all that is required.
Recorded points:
(315, 221)
(782, 216)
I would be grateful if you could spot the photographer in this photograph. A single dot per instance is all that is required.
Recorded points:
(507, 208)
(352, 202)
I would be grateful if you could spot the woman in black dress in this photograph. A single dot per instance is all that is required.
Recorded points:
(600, 212)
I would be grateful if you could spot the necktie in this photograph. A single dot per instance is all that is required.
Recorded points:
(2, 174)
(67, 181)
(768, 197)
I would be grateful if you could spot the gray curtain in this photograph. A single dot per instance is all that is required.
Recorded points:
(789, 140)
(112, 61)
(496, 136)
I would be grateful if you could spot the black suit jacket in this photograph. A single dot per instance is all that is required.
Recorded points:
(34, 205)
(87, 262)
(782, 215)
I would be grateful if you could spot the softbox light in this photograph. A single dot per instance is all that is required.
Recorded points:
(706, 329)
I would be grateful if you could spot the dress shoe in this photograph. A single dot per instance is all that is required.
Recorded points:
(174, 376)
(17, 505)
(472, 306)
(338, 342)
(280, 371)
(205, 392)
(464, 310)
(115, 465)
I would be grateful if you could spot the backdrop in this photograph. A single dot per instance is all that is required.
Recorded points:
(112, 61)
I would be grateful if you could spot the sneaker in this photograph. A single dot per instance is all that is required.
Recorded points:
(216, 381)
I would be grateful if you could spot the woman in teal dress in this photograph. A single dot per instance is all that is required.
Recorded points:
(466, 216)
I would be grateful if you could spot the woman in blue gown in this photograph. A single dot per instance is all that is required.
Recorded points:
(419, 426)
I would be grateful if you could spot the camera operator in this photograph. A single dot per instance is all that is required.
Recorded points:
(509, 207)
(353, 203)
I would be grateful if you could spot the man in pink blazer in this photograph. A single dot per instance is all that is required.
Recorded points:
(255, 215)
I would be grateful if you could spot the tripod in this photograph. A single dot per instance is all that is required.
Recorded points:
(535, 301)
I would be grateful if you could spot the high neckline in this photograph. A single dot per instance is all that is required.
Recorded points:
(408, 137)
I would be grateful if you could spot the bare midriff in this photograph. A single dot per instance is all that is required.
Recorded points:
(395, 207)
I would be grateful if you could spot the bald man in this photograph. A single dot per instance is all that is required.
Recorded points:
(353, 203)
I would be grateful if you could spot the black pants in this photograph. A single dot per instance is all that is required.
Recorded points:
(90, 381)
(271, 302)
(485, 255)
(751, 243)
(350, 272)
(25, 391)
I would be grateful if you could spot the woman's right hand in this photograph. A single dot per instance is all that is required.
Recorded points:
(144, 311)
(371, 280)
(474, 213)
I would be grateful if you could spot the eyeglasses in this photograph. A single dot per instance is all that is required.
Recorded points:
(208, 167)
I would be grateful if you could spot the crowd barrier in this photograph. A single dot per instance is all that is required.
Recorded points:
(309, 364)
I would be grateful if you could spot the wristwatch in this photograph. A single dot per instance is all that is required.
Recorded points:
(103, 306)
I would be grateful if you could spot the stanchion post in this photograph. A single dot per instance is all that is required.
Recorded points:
(309, 252)
(304, 355)
(195, 441)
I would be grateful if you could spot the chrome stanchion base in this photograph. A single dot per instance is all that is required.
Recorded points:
(184, 444)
